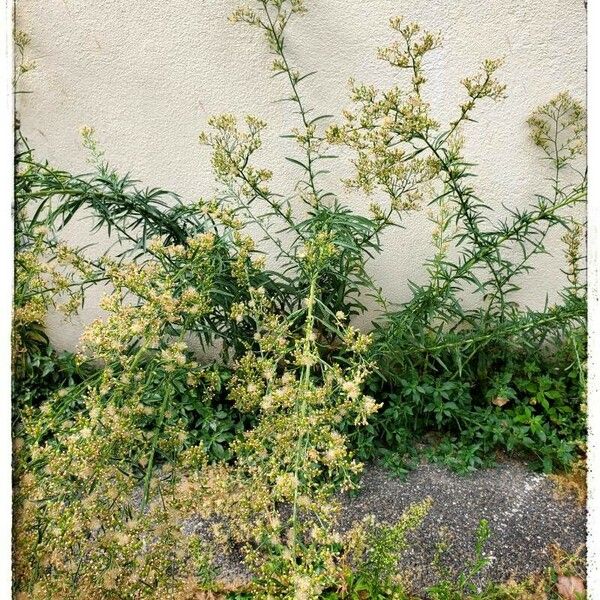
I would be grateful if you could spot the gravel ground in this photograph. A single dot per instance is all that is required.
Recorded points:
(523, 510)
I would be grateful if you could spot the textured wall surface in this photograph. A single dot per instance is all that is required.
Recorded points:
(146, 74)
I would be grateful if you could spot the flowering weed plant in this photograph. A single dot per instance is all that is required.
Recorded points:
(139, 431)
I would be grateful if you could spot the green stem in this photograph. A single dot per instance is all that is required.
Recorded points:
(302, 443)
(157, 432)
(279, 50)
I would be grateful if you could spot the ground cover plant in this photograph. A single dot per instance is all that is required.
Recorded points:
(115, 446)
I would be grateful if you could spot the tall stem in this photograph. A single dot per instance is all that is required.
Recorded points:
(301, 406)
(293, 81)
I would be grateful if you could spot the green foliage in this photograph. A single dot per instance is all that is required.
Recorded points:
(45, 373)
(382, 546)
(214, 425)
(531, 405)
(450, 367)
(464, 584)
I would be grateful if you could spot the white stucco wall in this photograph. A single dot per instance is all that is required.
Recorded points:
(147, 74)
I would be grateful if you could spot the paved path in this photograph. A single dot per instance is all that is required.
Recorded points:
(524, 513)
